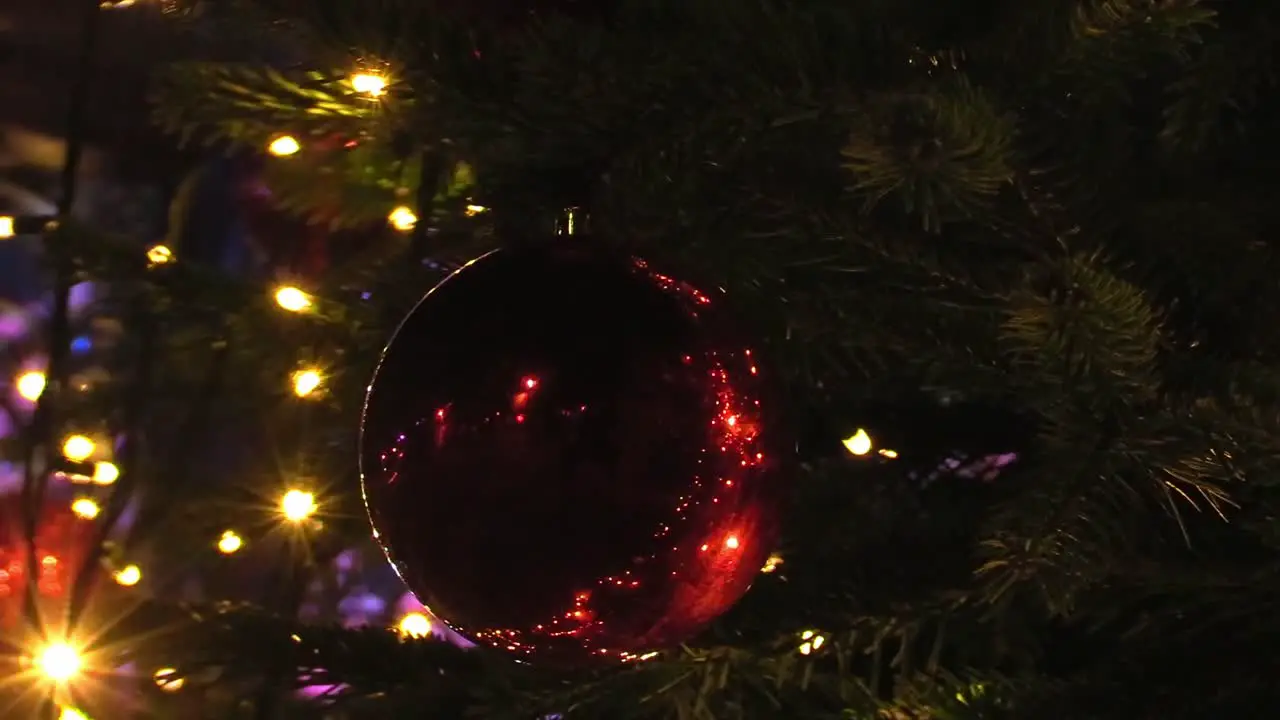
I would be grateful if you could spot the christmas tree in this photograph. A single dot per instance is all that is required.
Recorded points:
(1011, 260)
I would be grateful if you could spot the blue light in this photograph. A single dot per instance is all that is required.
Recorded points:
(81, 344)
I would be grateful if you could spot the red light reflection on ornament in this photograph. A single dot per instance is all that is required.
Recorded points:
(680, 456)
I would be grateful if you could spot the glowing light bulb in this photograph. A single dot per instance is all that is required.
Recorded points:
(771, 565)
(284, 146)
(70, 713)
(230, 542)
(473, 210)
(129, 575)
(59, 662)
(810, 641)
(297, 505)
(858, 443)
(105, 473)
(402, 219)
(306, 382)
(292, 299)
(368, 83)
(85, 508)
(732, 542)
(159, 255)
(78, 448)
(415, 625)
(30, 384)
(164, 677)
(6, 227)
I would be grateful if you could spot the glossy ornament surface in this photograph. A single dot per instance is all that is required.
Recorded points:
(569, 457)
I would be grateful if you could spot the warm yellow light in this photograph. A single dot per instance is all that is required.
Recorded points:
(473, 210)
(59, 662)
(415, 625)
(129, 575)
(85, 508)
(30, 384)
(886, 452)
(402, 219)
(771, 565)
(6, 227)
(105, 473)
(159, 255)
(858, 443)
(810, 641)
(164, 677)
(297, 505)
(306, 382)
(367, 83)
(70, 713)
(78, 448)
(292, 299)
(284, 146)
(229, 542)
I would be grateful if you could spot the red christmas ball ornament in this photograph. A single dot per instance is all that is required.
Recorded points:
(62, 542)
(571, 457)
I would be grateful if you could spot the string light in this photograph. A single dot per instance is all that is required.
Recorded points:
(402, 219)
(284, 146)
(297, 505)
(85, 508)
(78, 448)
(858, 443)
(129, 575)
(368, 83)
(6, 227)
(292, 299)
(810, 641)
(415, 625)
(164, 677)
(30, 384)
(105, 473)
(306, 382)
(771, 565)
(159, 255)
(59, 662)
